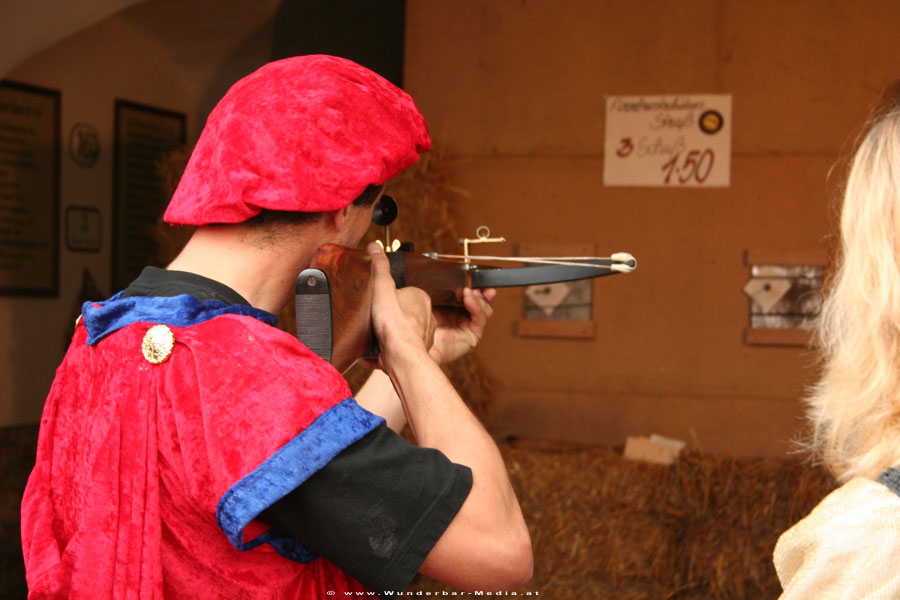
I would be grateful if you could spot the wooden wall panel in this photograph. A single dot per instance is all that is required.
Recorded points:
(515, 95)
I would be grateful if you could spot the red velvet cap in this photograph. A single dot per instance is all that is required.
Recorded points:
(306, 134)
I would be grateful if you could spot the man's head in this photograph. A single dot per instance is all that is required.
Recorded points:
(304, 134)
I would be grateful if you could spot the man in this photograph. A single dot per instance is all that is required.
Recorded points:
(188, 448)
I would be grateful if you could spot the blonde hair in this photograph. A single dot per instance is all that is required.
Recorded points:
(855, 407)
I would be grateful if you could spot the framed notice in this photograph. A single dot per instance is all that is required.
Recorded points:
(668, 141)
(83, 229)
(29, 190)
(144, 135)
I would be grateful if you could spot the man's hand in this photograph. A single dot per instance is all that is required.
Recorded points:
(458, 332)
(399, 317)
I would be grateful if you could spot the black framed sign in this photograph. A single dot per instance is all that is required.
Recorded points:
(29, 190)
(144, 135)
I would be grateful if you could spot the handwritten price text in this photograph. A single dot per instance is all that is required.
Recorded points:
(696, 165)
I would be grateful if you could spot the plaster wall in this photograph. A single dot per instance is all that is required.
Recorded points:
(91, 69)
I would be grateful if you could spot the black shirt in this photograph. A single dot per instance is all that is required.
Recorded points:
(378, 507)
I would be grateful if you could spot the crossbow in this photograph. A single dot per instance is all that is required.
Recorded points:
(333, 297)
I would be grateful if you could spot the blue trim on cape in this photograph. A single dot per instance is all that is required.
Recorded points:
(307, 452)
(104, 318)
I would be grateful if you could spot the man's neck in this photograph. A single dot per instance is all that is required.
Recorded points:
(264, 274)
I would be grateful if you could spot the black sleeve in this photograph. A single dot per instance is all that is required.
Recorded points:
(376, 509)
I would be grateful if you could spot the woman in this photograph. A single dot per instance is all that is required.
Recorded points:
(849, 545)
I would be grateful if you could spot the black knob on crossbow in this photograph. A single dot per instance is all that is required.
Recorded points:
(385, 211)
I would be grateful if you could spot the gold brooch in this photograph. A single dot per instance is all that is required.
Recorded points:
(158, 343)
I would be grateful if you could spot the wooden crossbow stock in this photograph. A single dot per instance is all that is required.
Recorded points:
(334, 296)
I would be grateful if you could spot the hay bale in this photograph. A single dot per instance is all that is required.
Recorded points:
(701, 528)
(170, 239)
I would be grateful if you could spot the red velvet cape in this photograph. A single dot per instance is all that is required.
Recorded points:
(148, 476)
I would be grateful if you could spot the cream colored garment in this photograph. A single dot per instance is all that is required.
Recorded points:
(848, 547)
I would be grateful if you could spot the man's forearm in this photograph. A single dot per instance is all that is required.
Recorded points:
(487, 544)
(377, 395)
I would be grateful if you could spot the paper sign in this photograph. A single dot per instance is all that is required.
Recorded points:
(668, 141)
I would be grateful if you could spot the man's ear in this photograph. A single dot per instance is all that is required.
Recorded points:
(335, 219)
